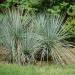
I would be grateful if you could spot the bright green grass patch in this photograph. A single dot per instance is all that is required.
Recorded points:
(9, 69)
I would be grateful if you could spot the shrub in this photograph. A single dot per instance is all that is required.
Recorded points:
(52, 31)
(30, 33)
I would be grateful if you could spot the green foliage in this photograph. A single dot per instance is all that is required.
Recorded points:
(6, 4)
(29, 5)
(71, 10)
(56, 9)
(52, 6)
(71, 24)
(9, 69)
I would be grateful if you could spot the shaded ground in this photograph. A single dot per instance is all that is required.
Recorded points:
(5, 57)
(8, 69)
(3, 54)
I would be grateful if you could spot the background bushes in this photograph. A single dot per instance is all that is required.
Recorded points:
(50, 6)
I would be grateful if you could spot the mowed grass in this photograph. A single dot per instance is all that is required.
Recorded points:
(12, 69)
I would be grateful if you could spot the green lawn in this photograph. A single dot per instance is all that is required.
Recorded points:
(8, 69)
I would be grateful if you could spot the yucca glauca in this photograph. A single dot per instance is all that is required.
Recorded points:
(53, 32)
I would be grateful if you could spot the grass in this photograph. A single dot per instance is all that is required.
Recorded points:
(9, 69)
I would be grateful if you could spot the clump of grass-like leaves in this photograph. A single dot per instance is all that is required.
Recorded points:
(15, 36)
(43, 32)
(51, 29)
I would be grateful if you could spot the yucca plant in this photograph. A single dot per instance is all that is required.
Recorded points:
(51, 29)
(11, 30)
(29, 33)
(16, 34)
